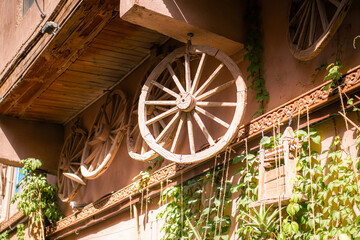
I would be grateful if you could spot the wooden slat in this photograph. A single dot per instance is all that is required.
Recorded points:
(274, 174)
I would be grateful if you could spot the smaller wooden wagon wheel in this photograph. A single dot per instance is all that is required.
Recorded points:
(312, 23)
(137, 146)
(105, 136)
(69, 177)
(202, 107)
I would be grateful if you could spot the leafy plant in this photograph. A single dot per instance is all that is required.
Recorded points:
(189, 214)
(260, 224)
(37, 197)
(20, 231)
(254, 55)
(144, 177)
(4, 236)
(333, 74)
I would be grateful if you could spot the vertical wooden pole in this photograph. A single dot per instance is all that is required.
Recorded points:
(289, 164)
(261, 175)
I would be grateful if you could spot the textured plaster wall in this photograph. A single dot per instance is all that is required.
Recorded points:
(16, 30)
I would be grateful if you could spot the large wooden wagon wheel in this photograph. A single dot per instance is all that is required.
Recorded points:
(312, 23)
(69, 177)
(202, 107)
(105, 136)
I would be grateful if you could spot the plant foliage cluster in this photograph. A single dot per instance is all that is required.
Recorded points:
(37, 197)
(322, 204)
(197, 208)
(254, 50)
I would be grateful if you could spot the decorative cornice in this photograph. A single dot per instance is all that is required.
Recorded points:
(311, 100)
(114, 199)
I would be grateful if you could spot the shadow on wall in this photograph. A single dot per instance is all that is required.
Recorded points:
(21, 139)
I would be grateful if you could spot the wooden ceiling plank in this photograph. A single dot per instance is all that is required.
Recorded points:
(77, 46)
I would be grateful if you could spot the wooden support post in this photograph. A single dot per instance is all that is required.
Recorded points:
(289, 171)
(261, 175)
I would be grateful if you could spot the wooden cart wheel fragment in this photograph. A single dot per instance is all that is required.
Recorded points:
(105, 136)
(312, 23)
(137, 147)
(69, 177)
(202, 106)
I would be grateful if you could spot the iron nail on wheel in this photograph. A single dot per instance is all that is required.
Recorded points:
(189, 102)
(69, 178)
(312, 24)
(105, 136)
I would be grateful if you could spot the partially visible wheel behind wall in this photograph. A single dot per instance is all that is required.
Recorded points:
(105, 135)
(312, 24)
(69, 178)
(202, 106)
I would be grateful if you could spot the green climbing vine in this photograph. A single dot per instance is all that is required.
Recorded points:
(254, 55)
(333, 74)
(193, 210)
(324, 204)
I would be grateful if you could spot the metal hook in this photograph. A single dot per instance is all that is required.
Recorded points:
(188, 42)
(290, 120)
(262, 132)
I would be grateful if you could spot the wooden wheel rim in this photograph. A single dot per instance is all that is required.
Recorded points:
(70, 155)
(236, 120)
(95, 162)
(311, 51)
(131, 140)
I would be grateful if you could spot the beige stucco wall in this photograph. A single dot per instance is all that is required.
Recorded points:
(16, 30)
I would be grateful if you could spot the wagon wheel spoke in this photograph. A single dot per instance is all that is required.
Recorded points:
(198, 73)
(165, 89)
(215, 90)
(211, 116)
(298, 12)
(313, 20)
(168, 127)
(322, 13)
(190, 134)
(304, 27)
(335, 2)
(175, 78)
(161, 102)
(301, 22)
(178, 130)
(209, 80)
(203, 128)
(162, 116)
(92, 155)
(216, 104)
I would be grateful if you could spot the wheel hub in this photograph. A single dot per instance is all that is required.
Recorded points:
(186, 102)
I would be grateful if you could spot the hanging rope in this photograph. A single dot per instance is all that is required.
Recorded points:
(343, 108)
(211, 190)
(141, 203)
(279, 205)
(182, 204)
(161, 194)
(130, 207)
(221, 189)
(226, 178)
(310, 163)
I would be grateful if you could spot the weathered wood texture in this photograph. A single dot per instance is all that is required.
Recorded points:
(93, 50)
